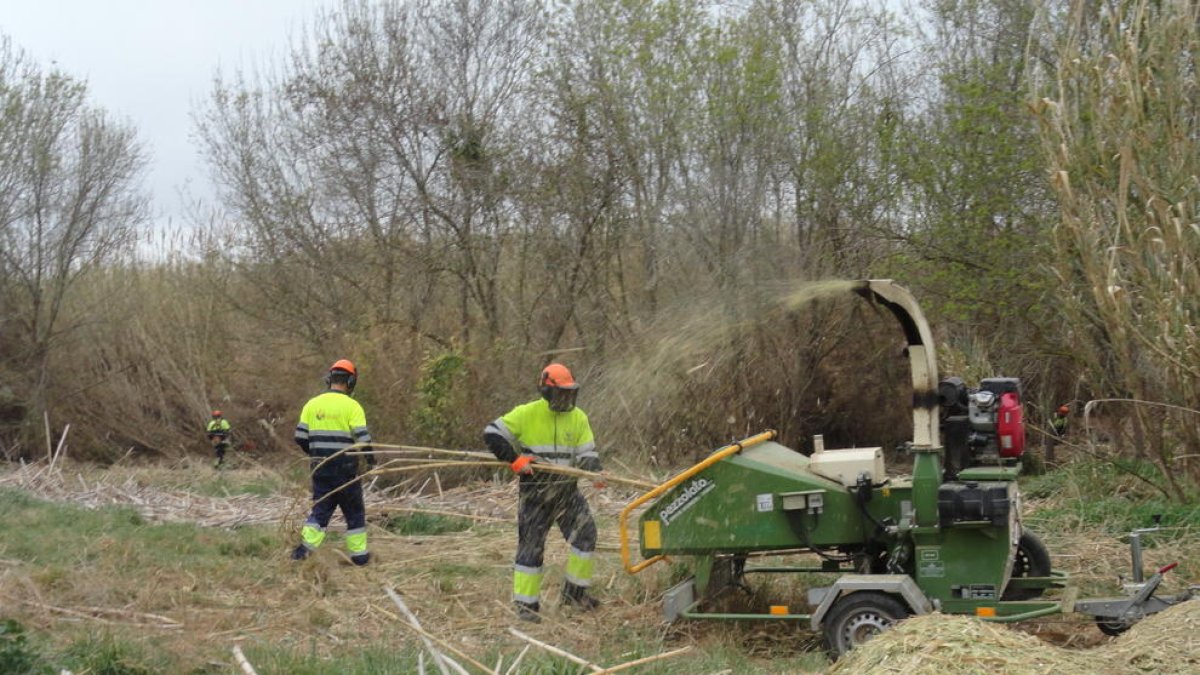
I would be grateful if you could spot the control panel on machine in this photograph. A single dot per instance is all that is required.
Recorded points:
(846, 465)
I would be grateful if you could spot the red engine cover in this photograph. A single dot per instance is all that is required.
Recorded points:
(1010, 426)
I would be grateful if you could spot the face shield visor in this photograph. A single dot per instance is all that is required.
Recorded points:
(562, 400)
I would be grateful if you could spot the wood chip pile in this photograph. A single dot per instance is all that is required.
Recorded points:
(1168, 642)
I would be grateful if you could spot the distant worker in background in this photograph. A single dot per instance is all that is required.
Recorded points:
(549, 430)
(1058, 431)
(1058, 423)
(218, 434)
(329, 423)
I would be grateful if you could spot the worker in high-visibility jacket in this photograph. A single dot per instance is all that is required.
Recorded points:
(1058, 423)
(550, 430)
(218, 434)
(329, 423)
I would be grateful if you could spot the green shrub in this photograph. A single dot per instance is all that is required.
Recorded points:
(248, 544)
(16, 655)
(1117, 498)
(438, 417)
(106, 655)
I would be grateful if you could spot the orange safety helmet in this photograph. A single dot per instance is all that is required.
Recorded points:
(216, 413)
(556, 375)
(343, 366)
(1063, 410)
(558, 387)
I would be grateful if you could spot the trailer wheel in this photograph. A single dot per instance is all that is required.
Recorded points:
(1113, 627)
(858, 617)
(1033, 560)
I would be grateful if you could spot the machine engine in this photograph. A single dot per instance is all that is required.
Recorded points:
(981, 427)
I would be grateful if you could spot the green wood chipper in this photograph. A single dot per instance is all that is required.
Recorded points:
(947, 538)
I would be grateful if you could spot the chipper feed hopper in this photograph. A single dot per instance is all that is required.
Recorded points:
(946, 538)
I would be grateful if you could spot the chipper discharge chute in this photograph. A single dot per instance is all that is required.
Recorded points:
(948, 537)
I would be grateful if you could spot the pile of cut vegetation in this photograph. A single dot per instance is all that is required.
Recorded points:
(1168, 642)
(943, 643)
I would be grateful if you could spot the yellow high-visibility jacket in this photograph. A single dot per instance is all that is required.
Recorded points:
(563, 438)
(328, 423)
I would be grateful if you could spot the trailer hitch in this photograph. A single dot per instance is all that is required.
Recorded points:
(1115, 616)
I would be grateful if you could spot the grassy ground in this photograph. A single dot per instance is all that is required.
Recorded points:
(105, 591)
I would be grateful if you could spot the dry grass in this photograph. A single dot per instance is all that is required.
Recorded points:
(457, 583)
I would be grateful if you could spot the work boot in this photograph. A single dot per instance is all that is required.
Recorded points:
(300, 553)
(577, 596)
(527, 611)
(360, 559)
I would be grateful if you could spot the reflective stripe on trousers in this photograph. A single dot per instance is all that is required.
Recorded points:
(579, 567)
(325, 501)
(356, 541)
(527, 583)
(313, 535)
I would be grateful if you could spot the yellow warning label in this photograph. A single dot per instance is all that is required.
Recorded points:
(652, 534)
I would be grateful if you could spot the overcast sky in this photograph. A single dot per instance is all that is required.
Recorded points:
(150, 61)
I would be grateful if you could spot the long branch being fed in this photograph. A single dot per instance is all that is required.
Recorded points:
(353, 450)
(476, 458)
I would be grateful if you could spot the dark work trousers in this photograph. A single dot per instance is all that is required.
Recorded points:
(546, 502)
(349, 499)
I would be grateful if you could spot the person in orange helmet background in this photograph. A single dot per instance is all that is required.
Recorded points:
(1058, 423)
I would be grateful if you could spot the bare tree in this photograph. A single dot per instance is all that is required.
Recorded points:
(378, 161)
(69, 202)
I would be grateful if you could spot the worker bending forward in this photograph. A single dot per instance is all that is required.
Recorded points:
(549, 430)
(328, 424)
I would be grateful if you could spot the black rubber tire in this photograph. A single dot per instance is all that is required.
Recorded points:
(1113, 628)
(858, 617)
(1033, 560)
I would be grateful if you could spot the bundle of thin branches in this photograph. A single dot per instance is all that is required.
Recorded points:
(453, 459)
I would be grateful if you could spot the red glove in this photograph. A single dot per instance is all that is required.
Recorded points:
(521, 465)
(601, 482)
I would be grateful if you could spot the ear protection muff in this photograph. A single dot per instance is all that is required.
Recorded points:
(544, 387)
(351, 380)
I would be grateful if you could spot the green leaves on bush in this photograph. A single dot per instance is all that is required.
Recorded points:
(438, 416)
(16, 655)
